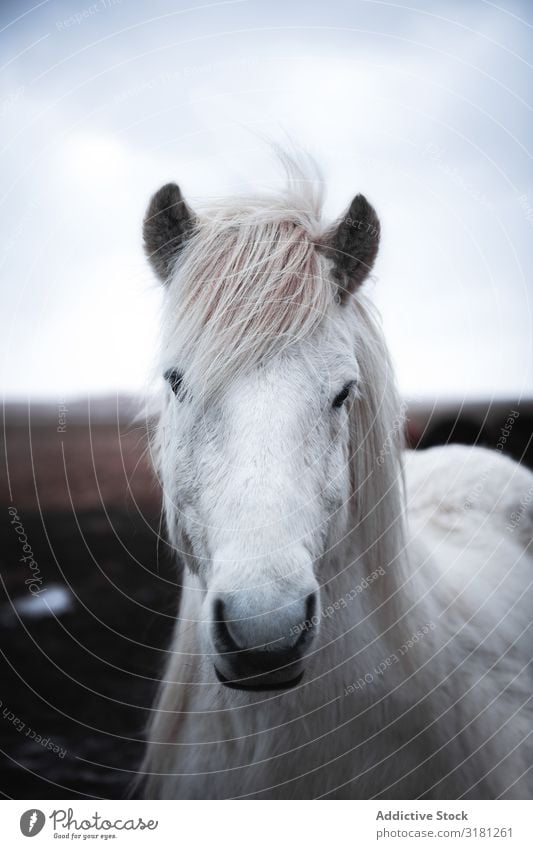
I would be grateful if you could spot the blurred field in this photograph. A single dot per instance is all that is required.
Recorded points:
(81, 675)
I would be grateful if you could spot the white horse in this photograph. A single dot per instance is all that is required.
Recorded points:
(345, 630)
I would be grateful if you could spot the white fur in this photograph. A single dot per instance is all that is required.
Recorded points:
(269, 494)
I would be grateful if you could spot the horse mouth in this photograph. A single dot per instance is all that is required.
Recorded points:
(266, 684)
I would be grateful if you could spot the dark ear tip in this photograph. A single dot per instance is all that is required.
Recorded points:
(364, 210)
(170, 191)
(167, 197)
(353, 245)
(360, 202)
(167, 224)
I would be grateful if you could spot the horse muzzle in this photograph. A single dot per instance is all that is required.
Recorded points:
(273, 664)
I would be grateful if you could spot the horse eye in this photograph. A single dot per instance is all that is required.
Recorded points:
(175, 379)
(339, 399)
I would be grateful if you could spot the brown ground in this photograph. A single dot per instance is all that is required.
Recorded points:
(82, 678)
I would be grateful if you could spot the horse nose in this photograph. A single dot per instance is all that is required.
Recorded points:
(263, 651)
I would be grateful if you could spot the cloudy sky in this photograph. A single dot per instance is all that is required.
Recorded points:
(424, 108)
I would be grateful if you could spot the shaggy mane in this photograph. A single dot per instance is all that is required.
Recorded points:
(250, 282)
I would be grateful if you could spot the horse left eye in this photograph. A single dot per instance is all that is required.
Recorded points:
(175, 379)
(339, 399)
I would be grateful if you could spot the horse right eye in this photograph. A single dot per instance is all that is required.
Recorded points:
(175, 380)
(339, 399)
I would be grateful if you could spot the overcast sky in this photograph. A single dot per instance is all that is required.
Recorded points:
(425, 109)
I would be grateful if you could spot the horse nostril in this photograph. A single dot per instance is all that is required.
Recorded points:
(310, 607)
(223, 640)
(263, 650)
(263, 643)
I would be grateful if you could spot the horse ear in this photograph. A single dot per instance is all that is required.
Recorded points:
(167, 224)
(352, 243)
